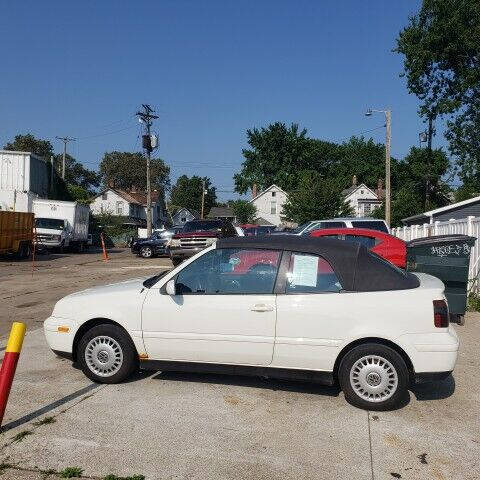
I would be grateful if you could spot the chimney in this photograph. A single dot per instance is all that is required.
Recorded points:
(254, 190)
(111, 183)
(379, 188)
(133, 189)
(354, 181)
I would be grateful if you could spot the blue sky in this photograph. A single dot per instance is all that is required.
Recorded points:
(211, 69)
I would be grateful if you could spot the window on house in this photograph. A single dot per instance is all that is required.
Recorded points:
(119, 208)
(274, 194)
(104, 196)
(183, 219)
(273, 208)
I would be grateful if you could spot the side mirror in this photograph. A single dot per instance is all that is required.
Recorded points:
(170, 287)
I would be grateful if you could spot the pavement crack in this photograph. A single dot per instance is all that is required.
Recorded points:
(370, 444)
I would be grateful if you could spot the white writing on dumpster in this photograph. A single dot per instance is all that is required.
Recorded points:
(445, 250)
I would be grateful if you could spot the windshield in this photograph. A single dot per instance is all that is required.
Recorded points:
(301, 227)
(202, 226)
(51, 223)
(370, 224)
(149, 282)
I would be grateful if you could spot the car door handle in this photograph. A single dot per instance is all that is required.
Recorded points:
(261, 307)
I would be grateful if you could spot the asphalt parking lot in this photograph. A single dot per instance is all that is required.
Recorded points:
(193, 426)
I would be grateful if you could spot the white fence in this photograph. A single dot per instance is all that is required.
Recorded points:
(466, 226)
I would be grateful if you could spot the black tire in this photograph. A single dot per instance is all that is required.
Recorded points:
(392, 371)
(176, 261)
(146, 252)
(129, 353)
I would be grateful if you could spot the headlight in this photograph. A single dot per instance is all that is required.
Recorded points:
(210, 241)
(57, 237)
(174, 242)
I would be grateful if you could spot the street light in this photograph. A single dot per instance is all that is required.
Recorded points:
(388, 141)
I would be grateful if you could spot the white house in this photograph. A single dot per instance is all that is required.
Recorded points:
(362, 199)
(269, 204)
(184, 215)
(132, 205)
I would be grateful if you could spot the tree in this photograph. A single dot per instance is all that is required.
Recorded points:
(187, 193)
(441, 48)
(28, 143)
(276, 155)
(315, 197)
(76, 174)
(129, 169)
(244, 211)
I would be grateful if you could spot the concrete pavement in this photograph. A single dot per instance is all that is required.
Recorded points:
(193, 426)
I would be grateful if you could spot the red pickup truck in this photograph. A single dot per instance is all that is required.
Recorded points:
(197, 235)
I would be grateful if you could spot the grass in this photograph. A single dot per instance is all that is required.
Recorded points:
(71, 472)
(44, 421)
(21, 435)
(474, 302)
(4, 466)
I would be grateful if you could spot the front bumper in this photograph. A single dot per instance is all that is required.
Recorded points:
(59, 340)
(179, 252)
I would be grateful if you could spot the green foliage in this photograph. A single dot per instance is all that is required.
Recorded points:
(44, 421)
(78, 193)
(76, 174)
(441, 49)
(474, 302)
(315, 198)
(187, 193)
(71, 472)
(28, 143)
(21, 435)
(245, 211)
(127, 169)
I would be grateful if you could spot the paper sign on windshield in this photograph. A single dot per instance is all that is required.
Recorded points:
(305, 270)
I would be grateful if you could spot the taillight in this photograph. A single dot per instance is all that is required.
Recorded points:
(440, 313)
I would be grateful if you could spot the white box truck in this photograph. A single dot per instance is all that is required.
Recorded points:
(60, 224)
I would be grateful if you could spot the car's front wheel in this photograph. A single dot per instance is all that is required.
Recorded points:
(107, 354)
(146, 252)
(374, 377)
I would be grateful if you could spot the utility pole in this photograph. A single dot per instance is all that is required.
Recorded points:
(65, 140)
(429, 161)
(203, 197)
(147, 116)
(388, 144)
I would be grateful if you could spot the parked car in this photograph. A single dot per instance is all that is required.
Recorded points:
(156, 244)
(197, 235)
(346, 222)
(289, 307)
(259, 230)
(387, 246)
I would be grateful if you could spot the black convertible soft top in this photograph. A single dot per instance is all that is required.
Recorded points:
(357, 268)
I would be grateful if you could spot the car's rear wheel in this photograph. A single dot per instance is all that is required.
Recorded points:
(106, 354)
(146, 252)
(374, 377)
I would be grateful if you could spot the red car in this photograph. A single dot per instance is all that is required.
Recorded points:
(387, 246)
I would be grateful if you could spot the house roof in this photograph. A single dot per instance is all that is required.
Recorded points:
(220, 212)
(267, 190)
(262, 222)
(353, 188)
(138, 198)
(436, 211)
(190, 210)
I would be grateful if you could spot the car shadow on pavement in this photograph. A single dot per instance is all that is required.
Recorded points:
(250, 382)
(434, 390)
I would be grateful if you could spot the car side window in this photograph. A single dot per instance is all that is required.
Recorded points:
(309, 273)
(230, 271)
(369, 242)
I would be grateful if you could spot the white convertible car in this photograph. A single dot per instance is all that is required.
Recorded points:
(283, 306)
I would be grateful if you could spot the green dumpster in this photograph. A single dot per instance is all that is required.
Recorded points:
(446, 257)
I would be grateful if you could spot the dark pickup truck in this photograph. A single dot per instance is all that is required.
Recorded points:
(197, 235)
